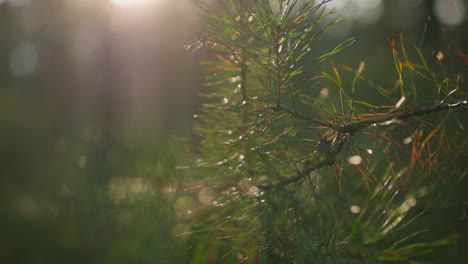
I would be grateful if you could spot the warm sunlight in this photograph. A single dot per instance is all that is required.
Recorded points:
(127, 2)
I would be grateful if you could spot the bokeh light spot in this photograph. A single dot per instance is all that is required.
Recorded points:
(18, 3)
(254, 191)
(450, 12)
(324, 93)
(355, 209)
(355, 160)
(206, 195)
(181, 230)
(24, 59)
(185, 207)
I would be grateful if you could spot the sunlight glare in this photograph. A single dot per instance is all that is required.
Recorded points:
(127, 2)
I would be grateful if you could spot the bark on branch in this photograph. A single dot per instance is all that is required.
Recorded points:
(348, 130)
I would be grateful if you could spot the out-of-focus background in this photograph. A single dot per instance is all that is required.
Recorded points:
(96, 95)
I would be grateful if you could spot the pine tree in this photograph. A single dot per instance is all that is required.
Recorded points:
(299, 168)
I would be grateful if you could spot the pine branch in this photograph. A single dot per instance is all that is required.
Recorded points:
(403, 115)
(345, 132)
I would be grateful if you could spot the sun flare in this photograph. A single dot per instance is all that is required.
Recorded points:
(127, 2)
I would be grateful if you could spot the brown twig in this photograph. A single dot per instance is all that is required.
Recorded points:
(345, 132)
(403, 115)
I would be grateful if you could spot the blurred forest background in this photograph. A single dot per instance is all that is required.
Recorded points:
(96, 112)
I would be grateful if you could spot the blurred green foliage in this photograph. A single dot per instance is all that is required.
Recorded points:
(91, 143)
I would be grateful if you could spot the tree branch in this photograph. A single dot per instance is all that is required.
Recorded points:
(403, 115)
(349, 130)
